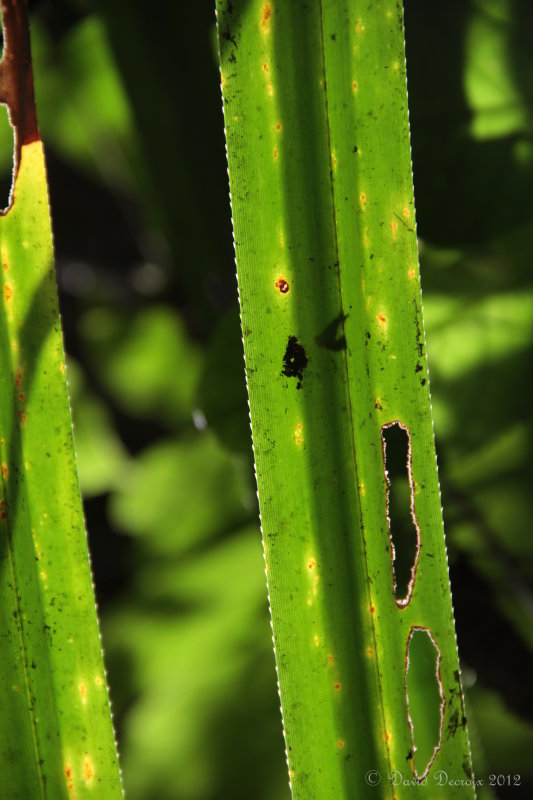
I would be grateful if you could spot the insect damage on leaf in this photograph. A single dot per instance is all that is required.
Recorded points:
(294, 361)
(16, 78)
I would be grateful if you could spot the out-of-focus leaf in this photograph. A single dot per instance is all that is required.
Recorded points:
(72, 80)
(100, 455)
(146, 361)
(222, 389)
(490, 84)
(192, 644)
(158, 488)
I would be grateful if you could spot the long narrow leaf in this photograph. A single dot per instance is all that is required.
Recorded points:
(317, 131)
(57, 738)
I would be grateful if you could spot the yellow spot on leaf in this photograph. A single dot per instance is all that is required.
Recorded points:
(99, 681)
(275, 154)
(362, 489)
(311, 564)
(317, 640)
(298, 437)
(42, 576)
(354, 86)
(359, 28)
(405, 212)
(83, 692)
(331, 660)
(395, 66)
(5, 471)
(411, 273)
(362, 199)
(394, 228)
(270, 90)
(369, 651)
(88, 769)
(8, 292)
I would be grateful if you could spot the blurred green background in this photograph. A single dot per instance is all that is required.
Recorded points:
(130, 112)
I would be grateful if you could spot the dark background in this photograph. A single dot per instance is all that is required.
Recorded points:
(130, 112)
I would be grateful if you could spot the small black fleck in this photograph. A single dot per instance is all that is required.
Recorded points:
(423, 382)
(409, 755)
(354, 149)
(294, 361)
(333, 37)
(419, 368)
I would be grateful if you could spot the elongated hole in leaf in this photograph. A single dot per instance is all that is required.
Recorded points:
(425, 699)
(7, 146)
(401, 519)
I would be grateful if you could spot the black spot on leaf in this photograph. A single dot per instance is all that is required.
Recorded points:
(294, 361)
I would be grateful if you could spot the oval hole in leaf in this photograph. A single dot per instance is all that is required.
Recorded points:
(403, 526)
(425, 699)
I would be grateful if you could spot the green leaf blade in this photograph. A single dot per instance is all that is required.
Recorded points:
(320, 174)
(54, 684)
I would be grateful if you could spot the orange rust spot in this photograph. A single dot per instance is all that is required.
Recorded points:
(394, 228)
(411, 273)
(354, 86)
(98, 680)
(22, 416)
(311, 564)
(266, 16)
(3, 515)
(405, 212)
(369, 651)
(291, 773)
(5, 265)
(21, 397)
(372, 609)
(337, 686)
(331, 660)
(275, 153)
(362, 489)
(222, 80)
(387, 736)
(362, 198)
(83, 692)
(8, 292)
(265, 67)
(359, 28)
(68, 776)
(278, 126)
(382, 319)
(18, 378)
(298, 433)
(340, 744)
(88, 769)
(5, 470)
(282, 285)
(2, 503)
